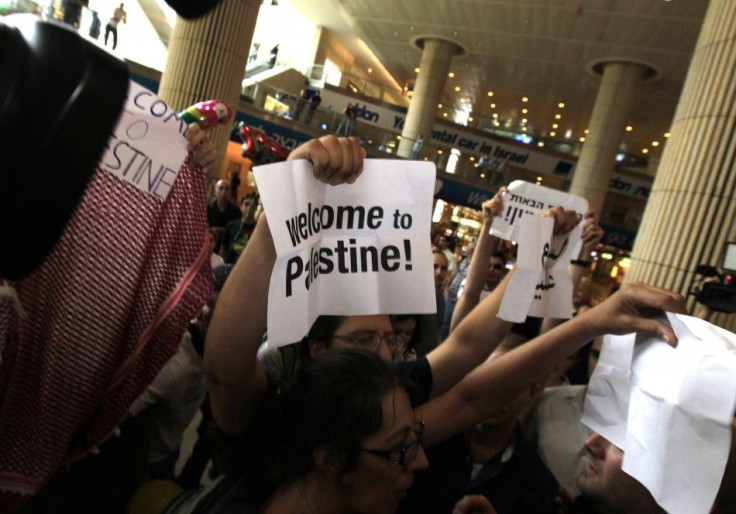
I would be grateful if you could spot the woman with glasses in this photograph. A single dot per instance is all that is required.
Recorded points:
(456, 394)
(343, 438)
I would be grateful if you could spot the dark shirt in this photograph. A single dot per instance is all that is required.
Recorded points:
(235, 238)
(215, 218)
(420, 374)
(430, 325)
(521, 485)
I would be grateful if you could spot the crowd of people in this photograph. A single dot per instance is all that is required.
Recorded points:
(457, 411)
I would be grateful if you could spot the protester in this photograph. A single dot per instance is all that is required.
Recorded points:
(454, 397)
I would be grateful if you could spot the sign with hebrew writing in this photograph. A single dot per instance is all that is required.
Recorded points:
(147, 147)
(525, 199)
(351, 249)
(541, 285)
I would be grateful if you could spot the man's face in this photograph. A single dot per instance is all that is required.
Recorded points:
(610, 488)
(496, 270)
(440, 268)
(222, 190)
(442, 243)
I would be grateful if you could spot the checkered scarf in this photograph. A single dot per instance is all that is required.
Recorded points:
(103, 313)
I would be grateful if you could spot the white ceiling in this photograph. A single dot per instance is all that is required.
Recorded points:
(539, 49)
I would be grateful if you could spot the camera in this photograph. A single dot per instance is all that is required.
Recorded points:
(717, 288)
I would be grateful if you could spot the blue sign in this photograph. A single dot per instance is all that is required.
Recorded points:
(618, 237)
(458, 193)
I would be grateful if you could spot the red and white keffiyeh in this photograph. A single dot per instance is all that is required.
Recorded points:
(103, 314)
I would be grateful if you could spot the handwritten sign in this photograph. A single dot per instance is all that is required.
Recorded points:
(349, 249)
(541, 285)
(669, 409)
(525, 199)
(147, 146)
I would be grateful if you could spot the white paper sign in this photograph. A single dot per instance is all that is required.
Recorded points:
(351, 249)
(525, 200)
(147, 146)
(671, 415)
(541, 285)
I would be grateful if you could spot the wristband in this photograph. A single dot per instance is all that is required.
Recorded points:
(582, 264)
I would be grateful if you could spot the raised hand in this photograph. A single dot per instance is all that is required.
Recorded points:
(336, 160)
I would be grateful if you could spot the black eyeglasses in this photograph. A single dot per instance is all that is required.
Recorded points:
(496, 266)
(405, 455)
(372, 340)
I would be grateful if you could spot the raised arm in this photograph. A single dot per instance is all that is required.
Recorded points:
(478, 269)
(235, 377)
(482, 330)
(497, 381)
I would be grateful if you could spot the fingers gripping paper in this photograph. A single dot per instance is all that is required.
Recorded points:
(671, 413)
(359, 248)
(524, 200)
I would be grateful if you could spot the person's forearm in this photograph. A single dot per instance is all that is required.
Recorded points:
(471, 342)
(234, 375)
(494, 383)
(476, 277)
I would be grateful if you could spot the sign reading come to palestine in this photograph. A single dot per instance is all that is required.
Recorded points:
(392, 120)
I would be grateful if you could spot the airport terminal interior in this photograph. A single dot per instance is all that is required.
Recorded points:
(629, 104)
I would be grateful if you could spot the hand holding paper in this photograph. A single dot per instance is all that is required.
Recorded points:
(335, 160)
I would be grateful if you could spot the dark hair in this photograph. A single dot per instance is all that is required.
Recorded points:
(334, 402)
(416, 337)
(499, 254)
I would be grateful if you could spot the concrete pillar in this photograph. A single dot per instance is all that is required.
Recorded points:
(691, 209)
(435, 64)
(616, 96)
(207, 58)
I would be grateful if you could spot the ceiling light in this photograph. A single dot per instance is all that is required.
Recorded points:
(398, 138)
(370, 70)
(472, 158)
(493, 106)
(416, 70)
(457, 88)
(490, 93)
(561, 105)
(629, 128)
(552, 134)
(439, 106)
(523, 120)
(451, 74)
(539, 179)
(655, 143)
(555, 125)
(558, 116)
(444, 114)
(666, 134)
(462, 100)
(524, 111)
(470, 119)
(540, 143)
(524, 99)
(586, 132)
(523, 129)
(645, 150)
(495, 115)
(582, 140)
(439, 152)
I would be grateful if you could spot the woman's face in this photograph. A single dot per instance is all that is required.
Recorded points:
(377, 485)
